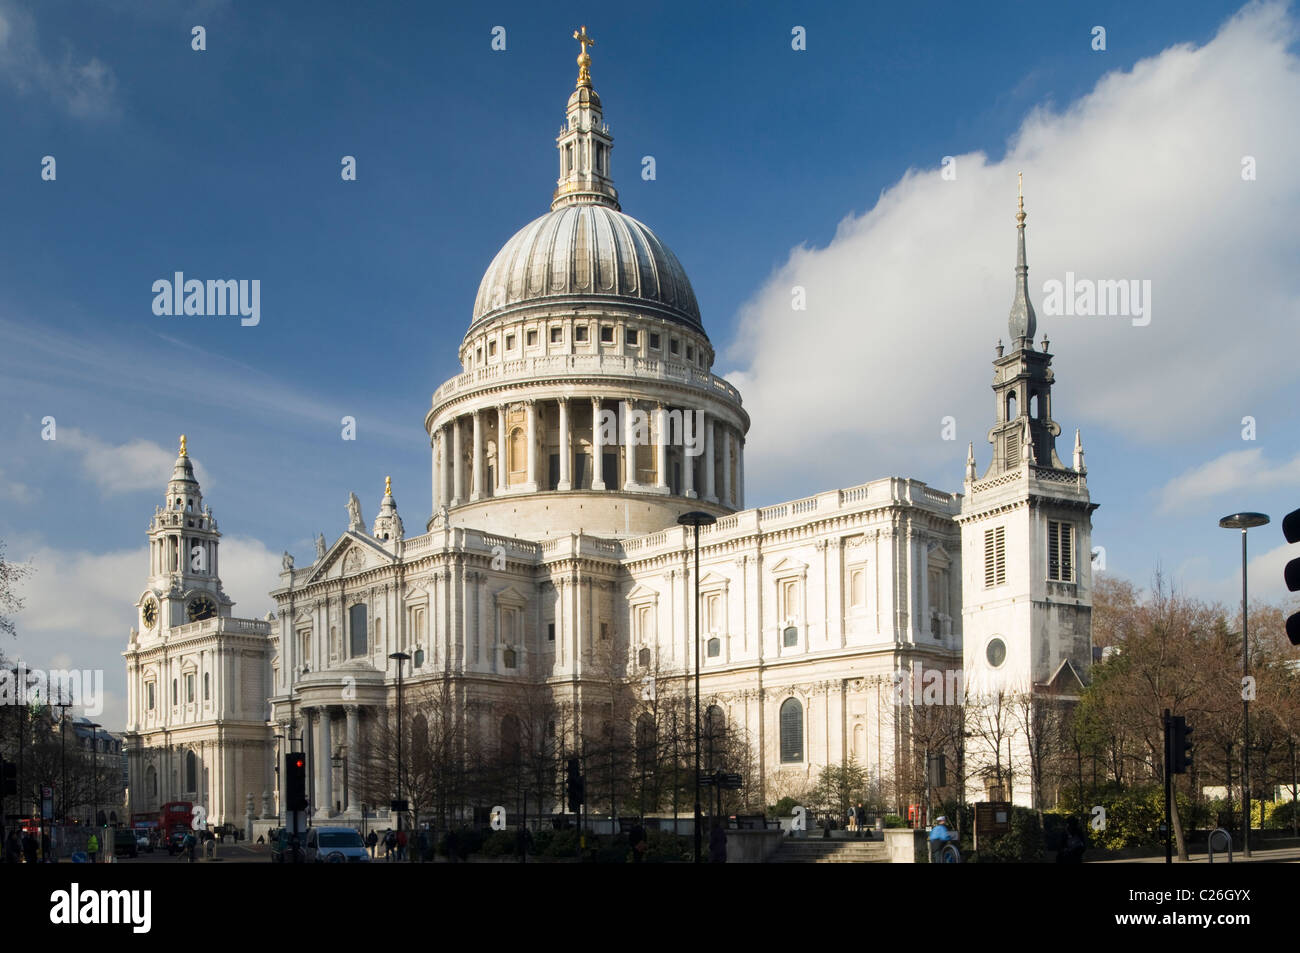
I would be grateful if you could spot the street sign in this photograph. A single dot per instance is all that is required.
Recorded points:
(732, 782)
(706, 780)
(400, 807)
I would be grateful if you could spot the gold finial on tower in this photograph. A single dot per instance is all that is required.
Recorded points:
(388, 486)
(1020, 193)
(183, 453)
(584, 61)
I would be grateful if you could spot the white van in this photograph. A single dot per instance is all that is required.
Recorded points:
(335, 845)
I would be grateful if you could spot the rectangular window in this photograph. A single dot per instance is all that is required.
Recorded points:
(604, 632)
(995, 557)
(510, 342)
(1060, 551)
(713, 614)
(550, 632)
(607, 334)
(673, 345)
(492, 348)
(789, 608)
(149, 693)
(631, 335)
(357, 629)
(557, 335)
(189, 689)
(304, 646)
(580, 332)
(690, 353)
(207, 693)
(532, 338)
(654, 342)
(174, 698)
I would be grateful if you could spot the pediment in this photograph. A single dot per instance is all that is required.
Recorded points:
(790, 567)
(351, 553)
(1065, 680)
(509, 596)
(643, 593)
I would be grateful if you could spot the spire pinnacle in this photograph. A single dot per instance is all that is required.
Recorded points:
(183, 451)
(584, 59)
(388, 486)
(1022, 322)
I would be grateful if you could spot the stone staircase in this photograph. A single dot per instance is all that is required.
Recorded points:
(819, 850)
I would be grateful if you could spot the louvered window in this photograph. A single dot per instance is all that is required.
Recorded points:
(1060, 551)
(995, 557)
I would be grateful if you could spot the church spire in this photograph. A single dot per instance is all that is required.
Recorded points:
(584, 143)
(1022, 322)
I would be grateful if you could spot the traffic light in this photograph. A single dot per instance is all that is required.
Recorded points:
(295, 781)
(1180, 745)
(1291, 530)
(10, 774)
(576, 785)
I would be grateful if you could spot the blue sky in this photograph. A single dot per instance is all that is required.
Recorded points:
(771, 164)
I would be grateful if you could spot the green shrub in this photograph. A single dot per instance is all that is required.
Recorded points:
(561, 844)
(500, 843)
(782, 808)
(1023, 844)
(894, 820)
(665, 847)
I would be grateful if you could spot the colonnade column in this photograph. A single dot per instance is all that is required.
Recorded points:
(661, 455)
(566, 452)
(503, 466)
(458, 465)
(597, 458)
(690, 436)
(350, 772)
(727, 498)
(446, 467)
(629, 448)
(710, 485)
(531, 406)
(436, 452)
(740, 472)
(477, 492)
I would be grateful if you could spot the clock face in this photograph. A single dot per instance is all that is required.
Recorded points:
(202, 608)
(150, 613)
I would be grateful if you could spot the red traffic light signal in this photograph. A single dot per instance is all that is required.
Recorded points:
(295, 781)
(1291, 574)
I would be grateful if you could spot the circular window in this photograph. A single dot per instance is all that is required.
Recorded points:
(996, 652)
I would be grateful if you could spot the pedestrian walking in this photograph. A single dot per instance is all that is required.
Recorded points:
(92, 847)
(371, 840)
(390, 845)
(853, 818)
(13, 849)
(862, 819)
(401, 845)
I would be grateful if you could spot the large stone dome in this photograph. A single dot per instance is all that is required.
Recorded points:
(587, 254)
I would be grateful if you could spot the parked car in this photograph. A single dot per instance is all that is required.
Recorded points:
(281, 841)
(175, 840)
(335, 845)
(142, 842)
(124, 842)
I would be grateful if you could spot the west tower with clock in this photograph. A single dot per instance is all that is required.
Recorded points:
(196, 676)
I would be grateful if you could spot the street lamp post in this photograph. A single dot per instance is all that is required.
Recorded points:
(1243, 522)
(63, 757)
(399, 657)
(697, 518)
(94, 727)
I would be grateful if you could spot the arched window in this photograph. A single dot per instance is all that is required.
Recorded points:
(191, 772)
(791, 731)
(646, 743)
(175, 693)
(419, 734)
(151, 784)
(510, 733)
(509, 659)
(643, 658)
(715, 731)
(1033, 405)
(518, 451)
(1011, 405)
(791, 637)
(714, 647)
(207, 692)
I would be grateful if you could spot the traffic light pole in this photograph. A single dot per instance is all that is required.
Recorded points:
(1169, 789)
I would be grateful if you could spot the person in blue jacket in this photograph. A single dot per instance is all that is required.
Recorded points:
(939, 836)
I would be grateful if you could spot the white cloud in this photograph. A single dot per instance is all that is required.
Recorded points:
(1139, 179)
(15, 491)
(1238, 471)
(125, 468)
(84, 87)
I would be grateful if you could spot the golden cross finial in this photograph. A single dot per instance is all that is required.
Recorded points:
(183, 453)
(584, 60)
(388, 486)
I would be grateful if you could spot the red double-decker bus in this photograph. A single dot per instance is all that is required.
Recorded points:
(175, 816)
